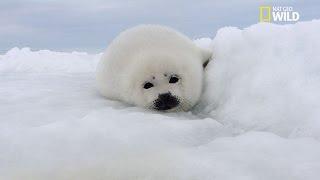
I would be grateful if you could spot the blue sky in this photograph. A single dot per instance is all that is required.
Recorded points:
(76, 25)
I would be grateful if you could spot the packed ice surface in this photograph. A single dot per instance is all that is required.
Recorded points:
(258, 117)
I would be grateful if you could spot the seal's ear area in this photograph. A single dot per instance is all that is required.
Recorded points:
(206, 56)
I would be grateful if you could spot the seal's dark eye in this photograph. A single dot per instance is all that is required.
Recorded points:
(173, 79)
(148, 85)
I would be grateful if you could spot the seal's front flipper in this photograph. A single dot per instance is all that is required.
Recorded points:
(206, 56)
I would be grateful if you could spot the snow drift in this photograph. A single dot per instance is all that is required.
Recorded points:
(267, 77)
(258, 117)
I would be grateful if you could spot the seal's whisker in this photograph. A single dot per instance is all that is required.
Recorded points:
(186, 105)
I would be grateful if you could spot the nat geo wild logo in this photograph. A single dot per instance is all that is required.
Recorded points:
(278, 14)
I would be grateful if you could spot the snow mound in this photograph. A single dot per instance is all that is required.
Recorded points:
(266, 77)
(258, 117)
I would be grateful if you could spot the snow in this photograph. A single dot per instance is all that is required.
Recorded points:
(267, 77)
(45, 61)
(258, 117)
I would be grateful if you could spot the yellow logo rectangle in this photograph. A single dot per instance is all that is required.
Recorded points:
(265, 14)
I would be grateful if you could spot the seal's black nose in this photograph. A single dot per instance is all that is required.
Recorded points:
(165, 102)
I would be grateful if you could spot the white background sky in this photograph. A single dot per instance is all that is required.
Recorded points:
(90, 25)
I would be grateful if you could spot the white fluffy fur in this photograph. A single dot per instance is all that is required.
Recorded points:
(146, 51)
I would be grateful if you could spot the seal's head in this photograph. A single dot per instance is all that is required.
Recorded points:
(153, 66)
(165, 81)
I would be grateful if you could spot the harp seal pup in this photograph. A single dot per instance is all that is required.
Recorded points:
(154, 67)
